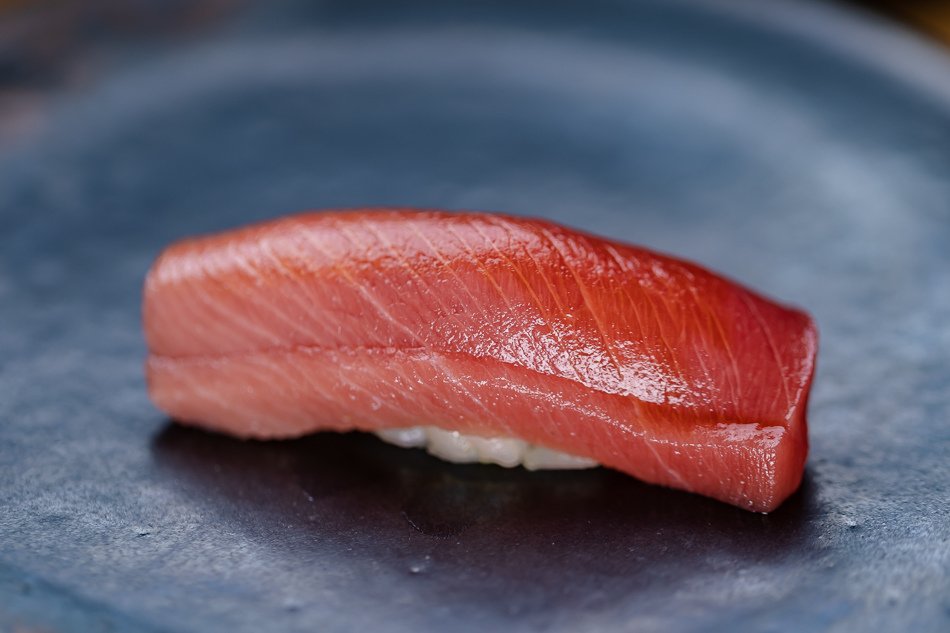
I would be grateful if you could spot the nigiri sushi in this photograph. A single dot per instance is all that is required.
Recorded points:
(484, 337)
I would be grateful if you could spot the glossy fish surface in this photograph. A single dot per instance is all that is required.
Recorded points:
(491, 326)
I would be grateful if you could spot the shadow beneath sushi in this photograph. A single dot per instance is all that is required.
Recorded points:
(505, 539)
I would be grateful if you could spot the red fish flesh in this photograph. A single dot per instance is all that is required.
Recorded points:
(478, 325)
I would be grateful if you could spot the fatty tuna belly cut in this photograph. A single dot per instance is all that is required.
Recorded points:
(490, 326)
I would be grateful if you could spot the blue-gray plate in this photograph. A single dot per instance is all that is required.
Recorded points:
(798, 148)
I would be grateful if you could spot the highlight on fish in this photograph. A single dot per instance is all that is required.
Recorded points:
(484, 338)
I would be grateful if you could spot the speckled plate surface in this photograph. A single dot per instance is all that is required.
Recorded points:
(797, 148)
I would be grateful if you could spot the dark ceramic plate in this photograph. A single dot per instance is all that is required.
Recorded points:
(802, 150)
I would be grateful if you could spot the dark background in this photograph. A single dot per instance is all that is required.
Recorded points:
(800, 148)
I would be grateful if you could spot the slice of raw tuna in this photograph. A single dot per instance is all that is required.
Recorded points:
(489, 326)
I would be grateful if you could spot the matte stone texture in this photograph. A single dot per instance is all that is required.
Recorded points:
(800, 149)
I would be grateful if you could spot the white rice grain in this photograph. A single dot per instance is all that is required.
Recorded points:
(457, 447)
